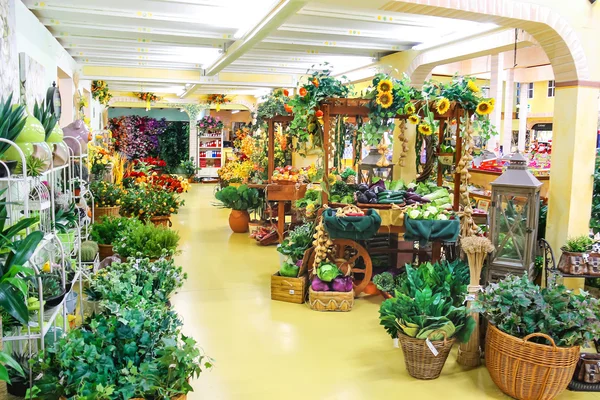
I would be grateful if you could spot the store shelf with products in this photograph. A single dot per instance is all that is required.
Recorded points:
(210, 153)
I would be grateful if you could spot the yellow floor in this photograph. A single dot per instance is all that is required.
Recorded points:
(273, 350)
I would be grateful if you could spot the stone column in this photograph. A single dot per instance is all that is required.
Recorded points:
(195, 112)
(523, 111)
(508, 110)
(573, 156)
(496, 86)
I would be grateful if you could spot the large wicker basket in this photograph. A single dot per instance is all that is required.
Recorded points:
(330, 301)
(420, 361)
(162, 221)
(526, 370)
(100, 212)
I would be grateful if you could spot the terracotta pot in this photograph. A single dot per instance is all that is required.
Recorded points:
(239, 221)
(105, 250)
(371, 289)
(162, 221)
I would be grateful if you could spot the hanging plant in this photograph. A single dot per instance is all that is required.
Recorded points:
(218, 100)
(307, 124)
(149, 98)
(101, 93)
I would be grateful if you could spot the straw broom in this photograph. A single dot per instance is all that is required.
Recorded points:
(476, 248)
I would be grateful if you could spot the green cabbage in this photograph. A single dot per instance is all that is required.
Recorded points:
(289, 270)
(328, 272)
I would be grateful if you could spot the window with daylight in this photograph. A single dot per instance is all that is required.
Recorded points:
(551, 88)
(530, 91)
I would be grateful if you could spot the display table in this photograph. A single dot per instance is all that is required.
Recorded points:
(282, 194)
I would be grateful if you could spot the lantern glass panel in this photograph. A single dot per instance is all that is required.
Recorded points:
(511, 224)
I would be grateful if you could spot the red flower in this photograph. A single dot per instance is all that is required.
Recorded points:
(302, 92)
(286, 93)
(319, 114)
(288, 109)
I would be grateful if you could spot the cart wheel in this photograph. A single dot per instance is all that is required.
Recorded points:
(348, 255)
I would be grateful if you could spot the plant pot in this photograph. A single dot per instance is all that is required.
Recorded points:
(77, 192)
(420, 361)
(526, 370)
(100, 212)
(239, 221)
(11, 165)
(164, 221)
(68, 241)
(105, 250)
(55, 300)
(16, 388)
(572, 263)
(371, 289)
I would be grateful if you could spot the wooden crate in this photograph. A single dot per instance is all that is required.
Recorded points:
(291, 290)
(276, 192)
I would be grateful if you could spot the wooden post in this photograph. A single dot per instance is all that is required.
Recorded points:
(326, 128)
(457, 115)
(271, 150)
(440, 178)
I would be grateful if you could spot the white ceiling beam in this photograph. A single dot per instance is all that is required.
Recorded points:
(201, 80)
(136, 41)
(334, 43)
(277, 16)
(138, 57)
(136, 64)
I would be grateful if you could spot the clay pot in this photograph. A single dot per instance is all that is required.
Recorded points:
(105, 250)
(239, 221)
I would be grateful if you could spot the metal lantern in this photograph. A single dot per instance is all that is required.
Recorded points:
(372, 166)
(514, 221)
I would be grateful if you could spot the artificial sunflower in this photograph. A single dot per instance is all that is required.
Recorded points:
(425, 129)
(473, 87)
(410, 109)
(414, 119)
(385, 99)
(385, 86)
(484, 108)
(443, 105)
(492, 102)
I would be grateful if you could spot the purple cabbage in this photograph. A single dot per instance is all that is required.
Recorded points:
(319, 286)
(342, 284)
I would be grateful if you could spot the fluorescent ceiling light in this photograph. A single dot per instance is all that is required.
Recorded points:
(235, 111)
(462, 33)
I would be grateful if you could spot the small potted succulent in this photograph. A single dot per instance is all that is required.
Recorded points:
(240, 200)
(573, 258)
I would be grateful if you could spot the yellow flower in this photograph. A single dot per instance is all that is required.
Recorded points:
(385, 86)
(425, 129)
(385, 99)
(484, 108)
(473, 87)
(141, 211)
(414, 119)
(492, 102)
(410, 109)
(443, 105)
(46, 267)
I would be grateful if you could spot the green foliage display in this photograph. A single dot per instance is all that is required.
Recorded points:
(518, 307)
(241, 198)
(106, 194)
(45, 115)
(579, 244)
(66, 218)
(145, 202)
(188, 167)
(385, 282)
(136, 282)
(12, 122)
(428, 299)
(146, 240)
(174, 144)
(272, 105)
(89, 250)
(298, 241)
(595, 219)
(341, 192)
(109, 229)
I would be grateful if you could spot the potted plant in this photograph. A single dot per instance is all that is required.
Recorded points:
(572, 260)
(14, 121)
(65, 222)
(534, 335)
(188, 168)
(146, 241)
(18, 374)
(151, 202)
(427, 316)
(107, 199)
(240, 200)
(108, 230)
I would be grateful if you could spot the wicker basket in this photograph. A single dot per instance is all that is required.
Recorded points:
(528, 371)
(164, 221)
(100, 212)
(105, 250)
(572, 263)
(330, 301)
(420, 361)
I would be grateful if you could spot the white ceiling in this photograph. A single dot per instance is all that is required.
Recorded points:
(194, 34)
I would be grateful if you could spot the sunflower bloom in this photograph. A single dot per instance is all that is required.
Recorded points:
(473, 87)
(385, 86)
(484, 108)
(443, 105)
(414, 119)
(425, 129)
(385, 100)
(410, 109)
(492, 102)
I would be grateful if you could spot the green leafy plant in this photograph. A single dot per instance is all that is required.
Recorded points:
(14, 367)
(429, 300)
(518, 307)
(174, 145)
(35, 166)
(146, 240)
(51, 285)
(66, 219)
(106, 194)
(110, 229)
(12, 122)
(45, 115)
(297, 242)
(579, 244)
(241, 198)
(385, 282)
(188, 167)
(149, 201)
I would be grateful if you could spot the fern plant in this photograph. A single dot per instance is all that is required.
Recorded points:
(146, 240)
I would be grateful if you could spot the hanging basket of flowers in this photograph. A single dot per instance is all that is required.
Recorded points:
(218, 100)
